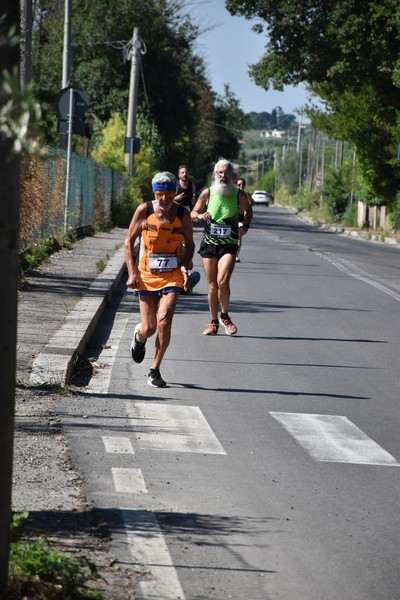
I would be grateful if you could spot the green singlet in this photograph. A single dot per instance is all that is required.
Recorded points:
(223, 226)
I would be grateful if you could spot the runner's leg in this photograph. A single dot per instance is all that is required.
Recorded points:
(210, 266)
(226, 265)
(148, 317)
(166, 309)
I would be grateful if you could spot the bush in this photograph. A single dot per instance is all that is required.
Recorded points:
(282, 197)
(306, 200)
(336, 194)
(320, 211)
(38, 571)
(128, 201)
(393, 216)
(350, 216)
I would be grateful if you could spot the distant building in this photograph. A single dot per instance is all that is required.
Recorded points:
(272, 133)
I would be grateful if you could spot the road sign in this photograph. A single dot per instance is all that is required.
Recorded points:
(318, 179)
(80, 103)
(78, 127)
(132, 145)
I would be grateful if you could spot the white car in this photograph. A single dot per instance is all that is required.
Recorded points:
(260, 197)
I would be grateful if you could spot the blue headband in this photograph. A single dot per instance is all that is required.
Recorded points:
(164, 186)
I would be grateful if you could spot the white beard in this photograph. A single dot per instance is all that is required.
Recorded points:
(223, 189)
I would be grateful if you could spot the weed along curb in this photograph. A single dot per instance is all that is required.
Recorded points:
(55, 364)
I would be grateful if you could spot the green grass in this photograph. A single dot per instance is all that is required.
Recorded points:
(102, 263)
(38, 253)
(40, 572)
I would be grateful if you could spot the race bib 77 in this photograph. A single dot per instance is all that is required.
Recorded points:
(162, 263)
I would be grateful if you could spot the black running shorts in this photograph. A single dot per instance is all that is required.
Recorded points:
(216, 250)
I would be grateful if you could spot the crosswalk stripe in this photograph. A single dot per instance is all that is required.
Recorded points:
(172, 428)
(334, 438)
(129, 481)
(148, 548)
(117, 445)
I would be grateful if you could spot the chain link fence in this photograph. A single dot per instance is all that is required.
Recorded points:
(44, 212)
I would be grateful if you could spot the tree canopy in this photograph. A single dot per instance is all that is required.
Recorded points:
(348, 52)
(277, 119)
(174, 94)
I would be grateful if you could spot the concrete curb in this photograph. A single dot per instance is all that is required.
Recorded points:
(55, 364)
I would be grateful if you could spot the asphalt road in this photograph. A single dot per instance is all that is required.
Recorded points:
(269, 466)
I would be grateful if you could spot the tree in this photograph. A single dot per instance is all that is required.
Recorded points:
(231, 121)
(175, 98)
(109, 148)
(172, 79)
(265, 120)
(349, 54)
(9, 190)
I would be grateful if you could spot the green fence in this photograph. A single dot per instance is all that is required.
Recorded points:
(93, 190)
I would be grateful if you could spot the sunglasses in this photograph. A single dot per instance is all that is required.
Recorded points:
(241, 184)
(222, 173)
(169, 194)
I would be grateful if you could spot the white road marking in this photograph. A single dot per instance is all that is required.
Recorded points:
(350, 269)
(129, 481)
(148, 548)
(172, 428)
(334, 438)
(146, 542)
(100, 381)
(117, 445)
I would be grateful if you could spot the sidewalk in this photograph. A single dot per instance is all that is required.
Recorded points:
(61, 304)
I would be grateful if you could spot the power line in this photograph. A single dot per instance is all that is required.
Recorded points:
(222, 126)
(119, 44)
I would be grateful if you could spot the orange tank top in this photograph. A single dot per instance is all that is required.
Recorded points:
(160, 253)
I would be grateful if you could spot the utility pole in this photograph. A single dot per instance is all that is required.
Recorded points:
(9, 215)
(298, 136)
(66, 71)
(322, 177)
(66, 74)
(276, 168)
(352, 178)
(69, 148)
(135, 50)
(300, 151)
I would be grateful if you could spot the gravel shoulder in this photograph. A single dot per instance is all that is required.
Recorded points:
(47, 484)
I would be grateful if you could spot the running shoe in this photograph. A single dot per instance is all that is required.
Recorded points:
(138, 349)
(237, 259)
(230, 328)
(212, 329)
(155, 379)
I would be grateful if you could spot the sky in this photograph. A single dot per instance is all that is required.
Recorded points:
(228, 49)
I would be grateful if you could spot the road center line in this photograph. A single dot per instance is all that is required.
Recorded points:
(347, 267)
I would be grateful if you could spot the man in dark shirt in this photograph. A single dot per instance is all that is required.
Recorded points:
(185, 189)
